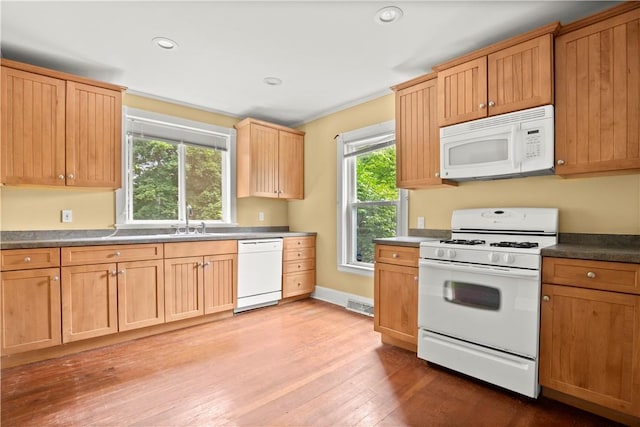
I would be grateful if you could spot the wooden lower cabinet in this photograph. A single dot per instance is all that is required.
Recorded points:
(590, 338)
(220, 282)
(298, 266)
(30, 301)
(89, 301)
(184, 288)
(396, 297)
(140, 294)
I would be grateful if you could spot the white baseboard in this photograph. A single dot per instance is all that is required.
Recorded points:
(338, 297)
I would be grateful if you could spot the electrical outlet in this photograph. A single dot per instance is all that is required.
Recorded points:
(420, 222)
(67, 215)
(260, 216)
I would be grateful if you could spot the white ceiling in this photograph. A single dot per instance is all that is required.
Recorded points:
(329, 54)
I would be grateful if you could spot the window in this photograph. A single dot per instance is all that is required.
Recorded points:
(172, 166)
(369, 204)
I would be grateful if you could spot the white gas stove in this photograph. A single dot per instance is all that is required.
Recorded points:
(479, 295)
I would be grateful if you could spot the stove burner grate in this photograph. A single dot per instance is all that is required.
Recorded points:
(463, 242)
(519, 245)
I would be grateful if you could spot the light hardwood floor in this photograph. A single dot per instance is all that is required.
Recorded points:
(303, 363)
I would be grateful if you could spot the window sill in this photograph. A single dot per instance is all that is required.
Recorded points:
(353, 269)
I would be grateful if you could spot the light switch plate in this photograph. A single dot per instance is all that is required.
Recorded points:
(420, 222)
(67, 215)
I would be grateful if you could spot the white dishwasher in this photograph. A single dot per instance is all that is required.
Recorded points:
(259, 273)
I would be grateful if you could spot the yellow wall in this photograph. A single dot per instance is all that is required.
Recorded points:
(587, 205)
(31, 208)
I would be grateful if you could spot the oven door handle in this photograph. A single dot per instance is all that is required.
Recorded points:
(483, 269)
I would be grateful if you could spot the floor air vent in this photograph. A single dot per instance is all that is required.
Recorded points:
(360, 307)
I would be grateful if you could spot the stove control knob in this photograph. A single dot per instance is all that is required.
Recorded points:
(493, 257)
(508, 258)
(451, 253)
(440, 252)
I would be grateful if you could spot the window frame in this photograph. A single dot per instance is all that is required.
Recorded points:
(123, 194)
(346, 207)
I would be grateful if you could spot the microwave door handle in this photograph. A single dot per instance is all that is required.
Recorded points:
(515, 147)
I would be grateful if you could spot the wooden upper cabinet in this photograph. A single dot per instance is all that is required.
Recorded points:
(521, 76)
(417, 133)
(598, 95)
(291, 162)
(270, 160)
(94, 139)
(462, 92)
(59, 129)
(33, 128)
(509, 76)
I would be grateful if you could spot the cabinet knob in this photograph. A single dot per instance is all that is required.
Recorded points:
(61, 176)
(27, 259)
(560, 162)
(492, 104)
(482, 105)
(117, 253)
(55, 278)
(299, 266)
(437, 174)
(121, 272)
(545, 298)
(395, 256)
(415, 278)
(71, 176)
(114, 272)
(591, 275)
(299, 242)
(299, 284)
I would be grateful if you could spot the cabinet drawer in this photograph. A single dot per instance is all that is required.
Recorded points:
(299, 242)
(183, 249)
(302, 253)
(399, 255)
(609, 276)
(114, 253)
(22, 259)
(295, 266)
(298, 283)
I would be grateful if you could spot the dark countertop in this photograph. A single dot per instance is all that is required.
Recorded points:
(411, 241)
(73, 240)
(604, 252)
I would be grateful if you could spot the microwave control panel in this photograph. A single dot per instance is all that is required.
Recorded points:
(533, 142)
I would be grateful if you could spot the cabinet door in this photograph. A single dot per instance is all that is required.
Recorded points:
(140, 294)
(94, 136)
(521, 76)
(264, 161)
(183, 288)
(290, 165)
(30, 304)
(417, 136)
(33, 128)
(220, 283)
(597, 113)
(396, 301)
(590, 346)
(89, 301)
(462, 92)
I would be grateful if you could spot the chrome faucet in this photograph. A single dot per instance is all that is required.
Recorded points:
(188, 213)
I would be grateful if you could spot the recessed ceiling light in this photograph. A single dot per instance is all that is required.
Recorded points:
(388, 15)
(165, 43)
(272, 81)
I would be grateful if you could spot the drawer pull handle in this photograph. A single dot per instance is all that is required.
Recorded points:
(55, 278)
(27, 259)
(545, 298)
(591, 275)
(117, 253)
(395, 255)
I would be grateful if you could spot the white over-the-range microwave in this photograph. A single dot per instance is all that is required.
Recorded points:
(509, 145)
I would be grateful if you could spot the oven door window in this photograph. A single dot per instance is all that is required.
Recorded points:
(472, 295)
